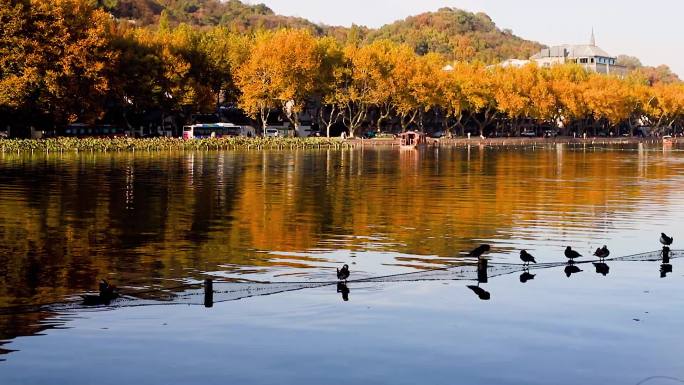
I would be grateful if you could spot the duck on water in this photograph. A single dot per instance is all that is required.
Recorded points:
(104, 297)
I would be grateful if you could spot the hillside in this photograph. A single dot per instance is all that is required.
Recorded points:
(456, 33)
(233, 14)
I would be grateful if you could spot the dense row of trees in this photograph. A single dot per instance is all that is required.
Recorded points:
(67, 60)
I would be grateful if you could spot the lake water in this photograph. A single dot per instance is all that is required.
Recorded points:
(161, 222)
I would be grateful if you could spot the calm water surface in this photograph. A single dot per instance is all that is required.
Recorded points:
(161, 220)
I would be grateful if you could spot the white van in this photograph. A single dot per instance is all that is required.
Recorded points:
(272, 133)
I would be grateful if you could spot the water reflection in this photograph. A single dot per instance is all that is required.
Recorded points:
(571, 268)
(602, 268)
(665, 269)
(526, 276)
(481, 293)
(162, 219)
(344, 290)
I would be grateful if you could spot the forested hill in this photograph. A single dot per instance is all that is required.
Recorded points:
(463, 34)
(232, 13)
(456, 33)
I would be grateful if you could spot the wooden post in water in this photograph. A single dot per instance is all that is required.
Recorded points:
(208, 292)
(482, 270)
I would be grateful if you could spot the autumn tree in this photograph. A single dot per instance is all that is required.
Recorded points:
(329, 83)
(280, 72)
(607, 99)
(55, 58)
(479, 88)
(358, 88)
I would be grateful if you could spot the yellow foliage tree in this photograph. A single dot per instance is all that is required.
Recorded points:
(281, 71)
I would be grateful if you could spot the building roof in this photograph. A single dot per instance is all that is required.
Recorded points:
(587, 51)
(572, 51)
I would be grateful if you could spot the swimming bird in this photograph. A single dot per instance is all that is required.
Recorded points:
(602, 252)
(602, 268)
(477, 253)
(665, 240)
(526, 257)
(105, 296)
(343, 274)
(481, 293)
(526, 276)
(571, 254)
(344, 290)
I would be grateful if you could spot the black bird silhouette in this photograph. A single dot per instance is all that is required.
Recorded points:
(665, 269)
(571, 254)
(477, 253)
(665, 240)
(666, 254)
(481, 293)
(571, 269)
(342, 288)
(106, 295)
(526, 257)
(526, 276)
(602, 268)
(343, 274)
(602, 252)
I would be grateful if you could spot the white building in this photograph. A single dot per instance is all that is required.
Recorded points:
(589, 56)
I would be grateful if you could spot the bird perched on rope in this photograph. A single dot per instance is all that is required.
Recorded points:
(602, 252)
(665, 240)
(526, 257)
(571, 254)
(479, 251)
(343, 274)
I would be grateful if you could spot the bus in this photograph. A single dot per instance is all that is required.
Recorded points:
(217, 130)
(81, 130)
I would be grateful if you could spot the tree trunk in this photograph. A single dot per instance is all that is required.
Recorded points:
(384, 113)
(332, 118)
(407, 118)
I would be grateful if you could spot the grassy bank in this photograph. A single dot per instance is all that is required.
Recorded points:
(65, 145)
(162, 144)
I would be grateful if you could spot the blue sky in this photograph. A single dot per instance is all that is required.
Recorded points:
(651, 30)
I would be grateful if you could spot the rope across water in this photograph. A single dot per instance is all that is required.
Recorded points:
(223, 291)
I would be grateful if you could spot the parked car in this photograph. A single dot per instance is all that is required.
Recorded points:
(438, 134)
(528, 133)
(550, 133)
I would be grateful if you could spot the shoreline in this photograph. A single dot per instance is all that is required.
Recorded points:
(132, 145)
(517, 141)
